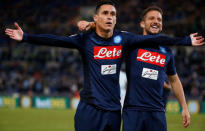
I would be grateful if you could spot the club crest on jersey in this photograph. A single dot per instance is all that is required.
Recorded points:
(150, 73)
(154, 58)
(162, 49)
(108, 69)
(117, 39)
(107, 52)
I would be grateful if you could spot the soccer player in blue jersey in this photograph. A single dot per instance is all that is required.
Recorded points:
(102, 51)
(144, 104)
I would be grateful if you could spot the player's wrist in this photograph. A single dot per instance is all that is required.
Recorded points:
(185, 108)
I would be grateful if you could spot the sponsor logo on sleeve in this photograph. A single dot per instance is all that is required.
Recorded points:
(150, 73)
(107, 52)
(151, 57)
(108, 69)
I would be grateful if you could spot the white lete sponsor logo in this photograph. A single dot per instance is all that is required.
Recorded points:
(150, 73)
(151, 57)
(108, 69)
(107, 52)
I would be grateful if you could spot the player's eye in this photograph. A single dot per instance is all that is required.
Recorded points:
(113, 13)
(105, 12)
(159, 19)
(151, 18)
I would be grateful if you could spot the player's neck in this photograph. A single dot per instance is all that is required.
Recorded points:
(145, 33)
(103, 33)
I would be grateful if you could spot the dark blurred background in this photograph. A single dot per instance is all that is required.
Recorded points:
(49, 71)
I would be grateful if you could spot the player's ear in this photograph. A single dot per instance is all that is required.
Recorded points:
(142, 24)
(95, 18)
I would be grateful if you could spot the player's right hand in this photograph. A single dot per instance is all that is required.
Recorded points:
(16, 34)
(185, 117)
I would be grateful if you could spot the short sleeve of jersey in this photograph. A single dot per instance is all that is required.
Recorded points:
(171, 68)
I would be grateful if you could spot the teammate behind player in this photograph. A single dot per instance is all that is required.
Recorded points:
(144, 106)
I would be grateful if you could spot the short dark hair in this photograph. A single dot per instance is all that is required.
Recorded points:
(104, 2)
(151, 8)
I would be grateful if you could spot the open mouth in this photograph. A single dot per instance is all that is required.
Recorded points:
(108, 23)
(155, 27)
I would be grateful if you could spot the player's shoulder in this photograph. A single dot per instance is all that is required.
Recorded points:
(116, 31)
(83, 34)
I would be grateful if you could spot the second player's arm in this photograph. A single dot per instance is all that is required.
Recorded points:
(150, 40)
(179, 93)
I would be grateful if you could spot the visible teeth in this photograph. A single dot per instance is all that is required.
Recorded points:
(154, 27)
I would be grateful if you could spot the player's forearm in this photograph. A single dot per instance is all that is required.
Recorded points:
(150, 40)
(49, 40)
(179, 93)
(166, 40)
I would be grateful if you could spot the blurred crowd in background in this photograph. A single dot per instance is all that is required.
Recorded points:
(41, 70)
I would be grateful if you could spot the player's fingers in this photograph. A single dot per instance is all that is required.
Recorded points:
(201, 40)
(16, 25)
(80, 29)
(13, 37)
(183, 119)
(8, 33)
(87, 28)
(202, 43)
(187, 121)
(198, 37)
(8, 30)
(194, 34)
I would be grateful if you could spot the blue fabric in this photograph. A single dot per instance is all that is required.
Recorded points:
(146, 94)
(90, 118)
(134, 120)
(102, 90)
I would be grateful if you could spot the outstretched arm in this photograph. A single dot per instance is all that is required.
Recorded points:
(179, 93)
(151, 40)
(43, 39)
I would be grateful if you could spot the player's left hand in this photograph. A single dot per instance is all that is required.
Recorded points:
(185, 117)
(196, 39)
(83, 25)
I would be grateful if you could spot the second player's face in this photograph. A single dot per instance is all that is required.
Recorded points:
(106, 18)
(152, 23)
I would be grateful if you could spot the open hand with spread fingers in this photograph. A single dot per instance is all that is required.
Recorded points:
(197, 40)
(16, 34)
